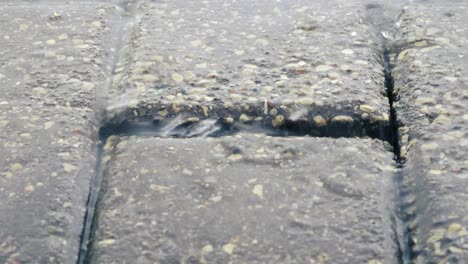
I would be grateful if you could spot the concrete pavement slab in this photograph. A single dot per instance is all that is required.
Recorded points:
(431, 76)
(247, 198)
(271, 62)
(52, 63)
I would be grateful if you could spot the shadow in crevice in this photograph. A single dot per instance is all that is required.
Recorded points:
(181, 127)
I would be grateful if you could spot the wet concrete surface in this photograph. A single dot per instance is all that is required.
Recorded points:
(157, 77)
(246, 198)
(52, 61)
(253, 61)
(430, 71)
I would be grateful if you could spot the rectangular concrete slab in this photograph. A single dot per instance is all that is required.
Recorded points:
(263, 61)
(246, 198)
(431, 76)
(52, 63)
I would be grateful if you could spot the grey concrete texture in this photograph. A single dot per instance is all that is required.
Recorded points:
(247, 198)
(52, 61)
(263, 61)
(431, 76)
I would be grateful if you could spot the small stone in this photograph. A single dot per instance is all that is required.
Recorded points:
(163, 113)
(322, 258)
(235, 157)
(96, 24)
(63, 36)
(454, 228)
(429, 146)
(323, 68)
(244, 118)
(431, 31)
(347, 51)
(426, 101)
(202, 260)
(48, 124)
(239, 52)
(361, 62)
(229, 120)
(39, 91)
(49, 54)
(236, 97)
(196, 43)
(421, 43)
(367, 108)
(200, 66)
(305, 101)
(205, 110)
(451, 78)
(319, 121)
(3, 123)
(228, 248)
(51, 41)
(262, 42)
(157, 58)
(87, 86)
(193, 119)
(187, 172)
(107, 242)
(177, 77)
(16, 167)
(333, 76)
(443, 120)
(207, 249)
(342, 119)
(216, 198)
(55, 16)
(258, 190)
(69, 167)
(160, 188)
(307, 24)
(278, 121)
(29, 188)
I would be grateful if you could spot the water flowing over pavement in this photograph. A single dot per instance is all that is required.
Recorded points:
(240, 131)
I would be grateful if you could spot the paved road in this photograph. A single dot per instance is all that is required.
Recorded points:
(263, 79)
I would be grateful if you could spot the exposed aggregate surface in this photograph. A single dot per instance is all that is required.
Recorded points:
(246, 198)
(253, 61)
(431, 76)
(67, 67)
(52, 61)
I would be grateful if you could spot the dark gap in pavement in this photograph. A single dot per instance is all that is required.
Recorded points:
(385, 19)
(401, 230)
(93, 196)
(116, 39)
(181, 127)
